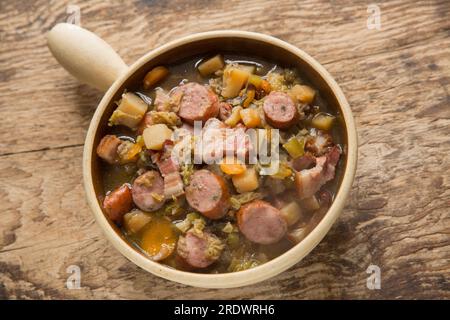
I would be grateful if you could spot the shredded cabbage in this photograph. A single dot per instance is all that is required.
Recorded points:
(187, 170)
(229, 228)
(214, 249)
(240, 199)
(233, 240)
(197, 226)
(173, 208)
(157, 197)
(243, 263)
(187, 223)
(169, 118)
(277, 81)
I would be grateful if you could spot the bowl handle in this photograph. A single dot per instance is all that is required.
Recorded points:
(86, 56)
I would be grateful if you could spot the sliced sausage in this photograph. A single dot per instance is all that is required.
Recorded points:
(118, 202)
(261, 223)
(107, 148)
(148, 191)
(199, 251)
(208, 194)
(198, 103)
(280, 110)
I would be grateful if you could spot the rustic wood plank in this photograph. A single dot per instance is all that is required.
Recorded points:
(329, 31)
(46, 195)
(396, 80)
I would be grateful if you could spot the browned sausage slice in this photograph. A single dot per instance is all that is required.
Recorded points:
(118, 202)
(199, 251)
(208, 194)
(198, 103)
(280, 110)
(148, 191)
(107, 148)
(261, 223)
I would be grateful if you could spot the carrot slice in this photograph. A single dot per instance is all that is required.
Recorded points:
(159, 238)
(154, 76)
(232, 167)
(265, 85)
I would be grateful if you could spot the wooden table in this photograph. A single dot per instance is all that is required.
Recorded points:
(397, 80)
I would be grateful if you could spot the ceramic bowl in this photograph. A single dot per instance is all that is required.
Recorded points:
(94, 62)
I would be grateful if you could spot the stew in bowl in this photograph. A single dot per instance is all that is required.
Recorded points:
(213, 205)
(216, 160)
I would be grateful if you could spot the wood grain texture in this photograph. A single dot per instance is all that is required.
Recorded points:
(396, 79)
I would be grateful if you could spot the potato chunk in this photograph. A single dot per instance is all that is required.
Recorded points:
(302, 93)
(135, 220)
(250, 117)
(310, 204)
(130, 111)
(211, 65)
(291, 213)
(250, 68)
(233, 81)
(246, 181)
(155, 135)
(323, 121)
(297, 234)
